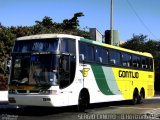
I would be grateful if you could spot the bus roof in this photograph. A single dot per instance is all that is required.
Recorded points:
(116, 47)
(45, 36)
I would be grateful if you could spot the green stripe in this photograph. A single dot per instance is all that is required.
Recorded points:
(91, 41)
(109, 75)
(101, 80)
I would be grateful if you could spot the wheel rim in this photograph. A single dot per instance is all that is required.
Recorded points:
(135, 99)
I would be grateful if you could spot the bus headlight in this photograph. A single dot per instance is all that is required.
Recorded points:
(54, 92)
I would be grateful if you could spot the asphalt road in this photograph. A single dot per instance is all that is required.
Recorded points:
(149, 110)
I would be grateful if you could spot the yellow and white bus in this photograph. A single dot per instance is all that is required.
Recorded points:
(64, 70)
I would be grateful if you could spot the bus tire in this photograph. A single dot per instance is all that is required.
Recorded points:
(135, 97)
(141, 96)
(83, 100)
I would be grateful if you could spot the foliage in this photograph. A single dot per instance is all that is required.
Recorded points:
(6, 40)
(68, 26)
(142, 44)
(72, 23)
(47, 25)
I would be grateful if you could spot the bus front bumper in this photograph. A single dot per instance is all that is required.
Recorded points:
(36, 100)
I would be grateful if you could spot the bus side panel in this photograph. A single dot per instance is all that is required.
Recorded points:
(128, 80)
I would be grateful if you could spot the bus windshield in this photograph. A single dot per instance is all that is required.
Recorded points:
(35, 69)
(41, 45)
(43, 62)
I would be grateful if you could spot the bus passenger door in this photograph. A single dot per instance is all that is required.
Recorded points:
(67, 74)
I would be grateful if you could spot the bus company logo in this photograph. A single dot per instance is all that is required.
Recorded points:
(128, 74)
(84, 72)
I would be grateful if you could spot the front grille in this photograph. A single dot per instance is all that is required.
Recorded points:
(34, 91)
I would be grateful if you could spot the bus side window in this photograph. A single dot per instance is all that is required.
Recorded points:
(126, 60)
(68, 46)
(136, 61)
(90, 53)
(99, 54)
(151, 64)
(82, 51)
(145, 62)
(115, 58)
(105, 56)
(87, 50)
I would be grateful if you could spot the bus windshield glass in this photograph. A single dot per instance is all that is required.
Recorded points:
(40, 45)
(35, 69)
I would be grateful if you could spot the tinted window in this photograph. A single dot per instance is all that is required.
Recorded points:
(67, 73)
(90, 53)
(115, 57)
(68, 46)
(39, 45)
(105, 56)
(136, 61)
(126, 60)
(151, 64)
(82, 50)
(87, 50)
(99, 55)
(145, 63)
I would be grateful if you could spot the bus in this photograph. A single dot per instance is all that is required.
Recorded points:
(65, 70)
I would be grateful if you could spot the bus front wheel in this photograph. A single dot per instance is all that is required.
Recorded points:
(83, 101)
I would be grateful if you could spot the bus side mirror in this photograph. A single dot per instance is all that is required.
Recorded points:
(81, 57)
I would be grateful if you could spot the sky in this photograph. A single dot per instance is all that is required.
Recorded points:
(130, 16)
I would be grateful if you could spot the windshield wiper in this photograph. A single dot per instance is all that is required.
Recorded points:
(17, 82)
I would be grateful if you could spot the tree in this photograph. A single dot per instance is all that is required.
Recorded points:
(72, 23)
(6, 39)
(152, 47)
(20, 31)
(68, 26)
(142, 44)
(46, 22)
(136, 43)
(46, 25)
